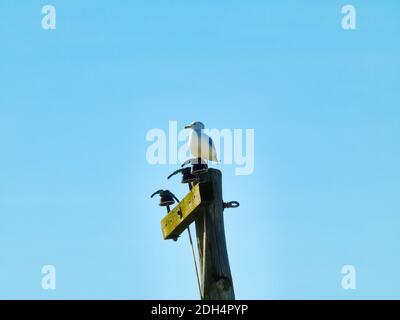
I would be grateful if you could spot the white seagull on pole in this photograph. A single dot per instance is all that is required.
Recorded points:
(201, 145)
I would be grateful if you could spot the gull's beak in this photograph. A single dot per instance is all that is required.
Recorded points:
(188, 127)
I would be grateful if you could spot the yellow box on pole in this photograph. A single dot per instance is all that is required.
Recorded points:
(179, 218)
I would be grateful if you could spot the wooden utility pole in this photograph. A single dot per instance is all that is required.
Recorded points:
(215, 275)
(204, 206)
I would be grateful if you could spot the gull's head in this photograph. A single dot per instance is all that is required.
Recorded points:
(196, 125)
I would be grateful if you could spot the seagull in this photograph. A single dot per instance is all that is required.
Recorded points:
(201, 145)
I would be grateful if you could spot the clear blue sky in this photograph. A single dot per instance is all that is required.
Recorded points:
(76, 104)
